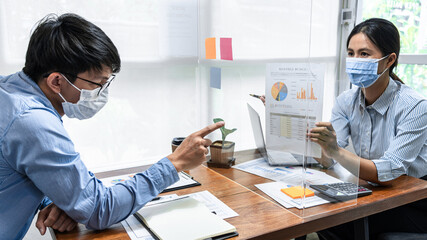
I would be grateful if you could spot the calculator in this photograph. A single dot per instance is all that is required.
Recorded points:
(342, 191)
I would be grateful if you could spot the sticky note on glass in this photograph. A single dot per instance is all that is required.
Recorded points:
(297, 192)
(215, 77)
(210, 48)
(226, 49)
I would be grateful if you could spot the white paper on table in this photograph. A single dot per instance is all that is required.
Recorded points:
(261, 168)
(290, 174)
(214, 204)
(111, 181)
(287, 177)
(135, 230)
(272, 189)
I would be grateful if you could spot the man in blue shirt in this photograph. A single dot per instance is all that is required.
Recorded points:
(69, 65)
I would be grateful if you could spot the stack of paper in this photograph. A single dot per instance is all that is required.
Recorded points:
(286, 177)
(273, 189)
(184, 218)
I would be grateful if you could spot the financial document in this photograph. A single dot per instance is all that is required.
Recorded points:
(291, 174)
(294, 103)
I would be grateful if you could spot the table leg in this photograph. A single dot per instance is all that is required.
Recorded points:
(361, 229)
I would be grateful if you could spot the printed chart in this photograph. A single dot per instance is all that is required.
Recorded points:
(293, 106)
(279, 91)
(302, 96)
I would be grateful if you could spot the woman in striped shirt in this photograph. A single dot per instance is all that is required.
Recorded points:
(387, 123)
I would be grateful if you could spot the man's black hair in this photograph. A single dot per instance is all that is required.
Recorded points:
(69, 44)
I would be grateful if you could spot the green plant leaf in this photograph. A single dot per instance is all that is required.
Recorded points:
(224, 131)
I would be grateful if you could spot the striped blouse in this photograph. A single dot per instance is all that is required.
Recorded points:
(392, 132)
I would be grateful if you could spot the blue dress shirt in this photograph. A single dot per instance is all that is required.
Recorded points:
(392, 132)
(37, 159)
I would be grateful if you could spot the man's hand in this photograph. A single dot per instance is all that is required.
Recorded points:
(54, 217)
(193, 150)
(324, 135)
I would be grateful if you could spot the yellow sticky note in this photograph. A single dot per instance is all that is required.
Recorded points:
(210, 48)
(297, 192)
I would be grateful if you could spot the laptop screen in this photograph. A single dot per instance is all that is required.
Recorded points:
(276, 157)
(257, 130)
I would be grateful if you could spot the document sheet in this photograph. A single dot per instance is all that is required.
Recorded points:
(284, 177)
(294, 103)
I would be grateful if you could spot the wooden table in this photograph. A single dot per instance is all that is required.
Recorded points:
(260, 217)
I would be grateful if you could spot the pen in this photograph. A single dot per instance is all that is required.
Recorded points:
(254, 95)
(186, 174)
(168, 200)
(156, 198)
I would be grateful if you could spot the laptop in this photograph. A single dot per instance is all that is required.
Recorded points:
(273, 157)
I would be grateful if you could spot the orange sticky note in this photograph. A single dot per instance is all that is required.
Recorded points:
(297, 192)
(210, 48)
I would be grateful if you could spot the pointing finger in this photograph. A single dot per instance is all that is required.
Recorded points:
(205, 131)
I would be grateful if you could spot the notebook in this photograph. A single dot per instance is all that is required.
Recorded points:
(273, 157)
(184, 218)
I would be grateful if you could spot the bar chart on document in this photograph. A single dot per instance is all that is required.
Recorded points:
(294, 103)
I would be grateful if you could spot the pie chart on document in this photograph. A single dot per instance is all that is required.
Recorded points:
(279, 91)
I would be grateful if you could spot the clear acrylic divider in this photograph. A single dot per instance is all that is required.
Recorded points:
(331, 185)
(277, 56)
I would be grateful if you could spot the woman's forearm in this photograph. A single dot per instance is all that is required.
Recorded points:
(358, 166)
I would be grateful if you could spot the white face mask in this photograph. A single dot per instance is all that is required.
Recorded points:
(88, 105)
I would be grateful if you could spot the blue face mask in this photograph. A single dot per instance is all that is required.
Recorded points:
(363, 72)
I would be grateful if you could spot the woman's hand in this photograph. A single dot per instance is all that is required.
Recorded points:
(262, 98)
(324, 135)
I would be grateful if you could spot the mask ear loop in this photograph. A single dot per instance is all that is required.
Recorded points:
(62, 97)
(386, 67)
(70, 82)
(382, 58)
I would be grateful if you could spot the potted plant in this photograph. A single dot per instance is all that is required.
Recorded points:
(222, 151)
